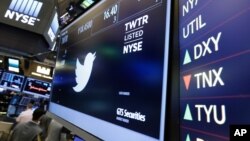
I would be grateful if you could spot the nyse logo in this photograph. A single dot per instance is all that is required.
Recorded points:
(25, 11)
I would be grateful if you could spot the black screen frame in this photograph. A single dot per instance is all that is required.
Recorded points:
(173, 107)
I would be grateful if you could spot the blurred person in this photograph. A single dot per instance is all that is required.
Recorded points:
(28, 131)
(26, 115)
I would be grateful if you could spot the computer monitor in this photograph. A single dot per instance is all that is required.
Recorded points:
(24, 101)
(15, 99)
(214, 68)
(12, 81)
(110, 79)
(13, 65)
(87, 3)
(37, 87)
(77, 138)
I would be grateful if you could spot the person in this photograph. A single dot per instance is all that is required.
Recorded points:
(44, 124)
(28, 131)
(26, 115)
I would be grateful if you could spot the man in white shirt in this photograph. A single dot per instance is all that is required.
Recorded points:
(26, 115)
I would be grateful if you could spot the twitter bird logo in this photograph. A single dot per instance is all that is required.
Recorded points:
(83, 72)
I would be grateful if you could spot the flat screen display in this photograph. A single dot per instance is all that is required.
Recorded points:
(52, 30)
(13, 65)
(111, 72)
(87, 3)
(54, 27)
(24, 101)
(76, 138)
(15, 99)
(12, 81)
(214, 69)
(37, 87)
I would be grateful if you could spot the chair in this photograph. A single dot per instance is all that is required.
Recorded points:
(5, 128)
(54, 131)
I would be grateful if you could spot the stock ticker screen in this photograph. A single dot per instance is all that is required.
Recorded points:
(112, 69)
(37, 87)
(214, 70)
(12, 81)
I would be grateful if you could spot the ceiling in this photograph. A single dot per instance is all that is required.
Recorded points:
(73, 8)
(64, 4)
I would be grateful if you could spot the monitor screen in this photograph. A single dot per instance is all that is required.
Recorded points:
(12, 81)
(13, 65)
(77, 138)
(55, 24)
(214, 70)
(87, 3)
(37, 87)
(24, 101)
(54, 27)
(15, 99)
(111, 73)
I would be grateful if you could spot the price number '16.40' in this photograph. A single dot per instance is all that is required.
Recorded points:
(111, 12)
